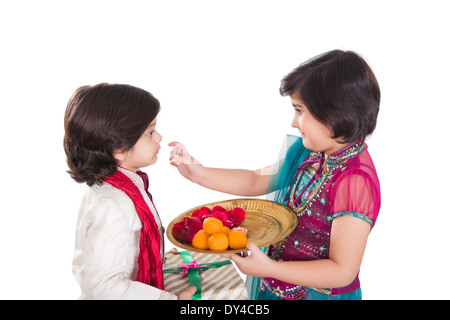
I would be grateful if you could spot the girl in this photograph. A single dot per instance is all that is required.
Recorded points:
(327, 177)
(109, 134)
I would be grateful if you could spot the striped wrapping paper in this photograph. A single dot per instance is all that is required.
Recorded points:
(220, 283)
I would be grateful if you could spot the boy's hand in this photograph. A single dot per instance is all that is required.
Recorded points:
(188, 293)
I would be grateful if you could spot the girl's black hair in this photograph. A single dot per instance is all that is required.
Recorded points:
(100, 120)
(340, 90)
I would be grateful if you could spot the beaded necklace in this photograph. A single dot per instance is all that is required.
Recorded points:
(334, 161)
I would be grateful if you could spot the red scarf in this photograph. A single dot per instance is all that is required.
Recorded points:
(149, 260)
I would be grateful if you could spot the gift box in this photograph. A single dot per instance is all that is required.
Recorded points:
(216, 277)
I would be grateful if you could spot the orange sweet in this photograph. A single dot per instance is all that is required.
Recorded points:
(218, 241)
(212, 225)
(237, 239)
(200, 240)
(225, 230)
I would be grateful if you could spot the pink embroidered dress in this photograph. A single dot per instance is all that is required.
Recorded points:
(346, 184)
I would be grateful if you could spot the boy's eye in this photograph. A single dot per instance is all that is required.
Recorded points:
(299, 111)
(150, 133)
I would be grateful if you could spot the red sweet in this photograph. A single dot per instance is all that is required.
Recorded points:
(196, 213)
(229, 218)
(239, 215)
(186, 229)
(202, 213)
(223, 216)
(218, 208)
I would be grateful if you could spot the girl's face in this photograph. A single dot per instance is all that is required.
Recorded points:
(316, 136)
(144, 152)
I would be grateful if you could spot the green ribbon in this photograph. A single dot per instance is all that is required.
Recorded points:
(193, 274)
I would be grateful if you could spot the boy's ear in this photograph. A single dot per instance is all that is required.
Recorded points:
(120, 155)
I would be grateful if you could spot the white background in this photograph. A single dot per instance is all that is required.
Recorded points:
(216, 67)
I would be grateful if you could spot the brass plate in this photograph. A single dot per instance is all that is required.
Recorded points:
(267, 222)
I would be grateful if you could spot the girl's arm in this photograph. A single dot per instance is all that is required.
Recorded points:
(347, 244)
(239, 182)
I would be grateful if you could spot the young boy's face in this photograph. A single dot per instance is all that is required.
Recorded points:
(144, 152)
(316, 136)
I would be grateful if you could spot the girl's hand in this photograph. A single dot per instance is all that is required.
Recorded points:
(188, 293)
(180, 158)
(256, 264)
(179, 154)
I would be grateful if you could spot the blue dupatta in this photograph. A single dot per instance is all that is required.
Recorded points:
(291, 155)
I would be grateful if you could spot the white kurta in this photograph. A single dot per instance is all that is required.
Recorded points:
(107, 244)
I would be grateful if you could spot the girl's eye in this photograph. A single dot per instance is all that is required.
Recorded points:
(150, 133)
(299, 111)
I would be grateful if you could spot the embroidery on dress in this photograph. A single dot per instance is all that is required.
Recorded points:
(311, 238)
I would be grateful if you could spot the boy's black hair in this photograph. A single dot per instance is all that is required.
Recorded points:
(340, 90)
(101, 120)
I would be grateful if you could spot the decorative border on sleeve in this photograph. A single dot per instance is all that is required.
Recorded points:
(355, 214)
